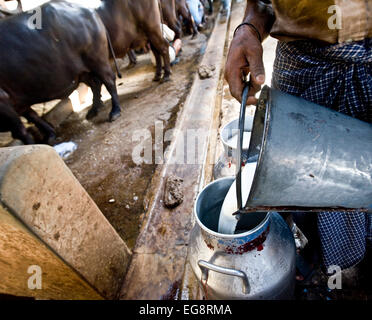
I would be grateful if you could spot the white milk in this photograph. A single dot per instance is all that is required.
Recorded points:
(233, 141)
(227, 223)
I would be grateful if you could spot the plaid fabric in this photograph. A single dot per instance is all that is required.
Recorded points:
(338, 77)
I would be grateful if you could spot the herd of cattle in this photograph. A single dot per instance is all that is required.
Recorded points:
(76, 44)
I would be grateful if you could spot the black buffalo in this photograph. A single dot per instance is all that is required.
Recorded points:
(132, 24)
(38, 65)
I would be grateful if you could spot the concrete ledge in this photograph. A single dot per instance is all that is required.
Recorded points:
(37, 186)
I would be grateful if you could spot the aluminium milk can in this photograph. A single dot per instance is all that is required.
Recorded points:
(258, 263)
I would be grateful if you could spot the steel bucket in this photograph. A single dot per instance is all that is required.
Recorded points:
(310, 158)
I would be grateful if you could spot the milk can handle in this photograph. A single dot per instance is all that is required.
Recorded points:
(239, 149)
(206, 266)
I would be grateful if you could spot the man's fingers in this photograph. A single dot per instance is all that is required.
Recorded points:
(241, 61)
(233, 75)
(252, 101)
(257, 69)
(236, 86)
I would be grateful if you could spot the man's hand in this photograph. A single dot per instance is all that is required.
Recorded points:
(245, 56)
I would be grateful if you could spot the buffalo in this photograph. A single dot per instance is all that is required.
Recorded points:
(47, 63)
(132, 24)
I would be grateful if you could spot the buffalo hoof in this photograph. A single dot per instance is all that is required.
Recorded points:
(28, 139)
(92, 113)
(131, 65)
(51, 140)
(166, 78)
(114, 116)
(157, 78)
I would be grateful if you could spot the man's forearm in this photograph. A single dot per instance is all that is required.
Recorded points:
(261, 19)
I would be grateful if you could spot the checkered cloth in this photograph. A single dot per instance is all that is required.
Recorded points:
(338, 77)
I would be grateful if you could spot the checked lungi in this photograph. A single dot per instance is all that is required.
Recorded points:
(338, 77)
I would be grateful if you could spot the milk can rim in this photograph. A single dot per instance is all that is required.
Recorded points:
(222, 235)
(224, 142)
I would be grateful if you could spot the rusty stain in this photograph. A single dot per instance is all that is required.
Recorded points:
(172, 293)
(205, 288)
(249, 246)
(209, 245)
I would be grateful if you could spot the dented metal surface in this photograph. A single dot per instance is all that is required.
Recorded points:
(310, 158)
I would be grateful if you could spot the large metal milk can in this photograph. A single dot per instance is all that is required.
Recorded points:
(257, 262)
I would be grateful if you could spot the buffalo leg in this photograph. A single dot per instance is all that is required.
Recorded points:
(176, 27)
(132, 59)
(158, 64)
(162, 46)
(10, 121)
(42, 125)
(179, 32)
(103, 73)
(110, 84)
(95, 84)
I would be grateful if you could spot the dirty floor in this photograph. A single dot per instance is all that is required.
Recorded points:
(103, 162)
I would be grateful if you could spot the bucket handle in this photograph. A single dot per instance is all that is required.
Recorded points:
(206, 266)
(239, 149)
